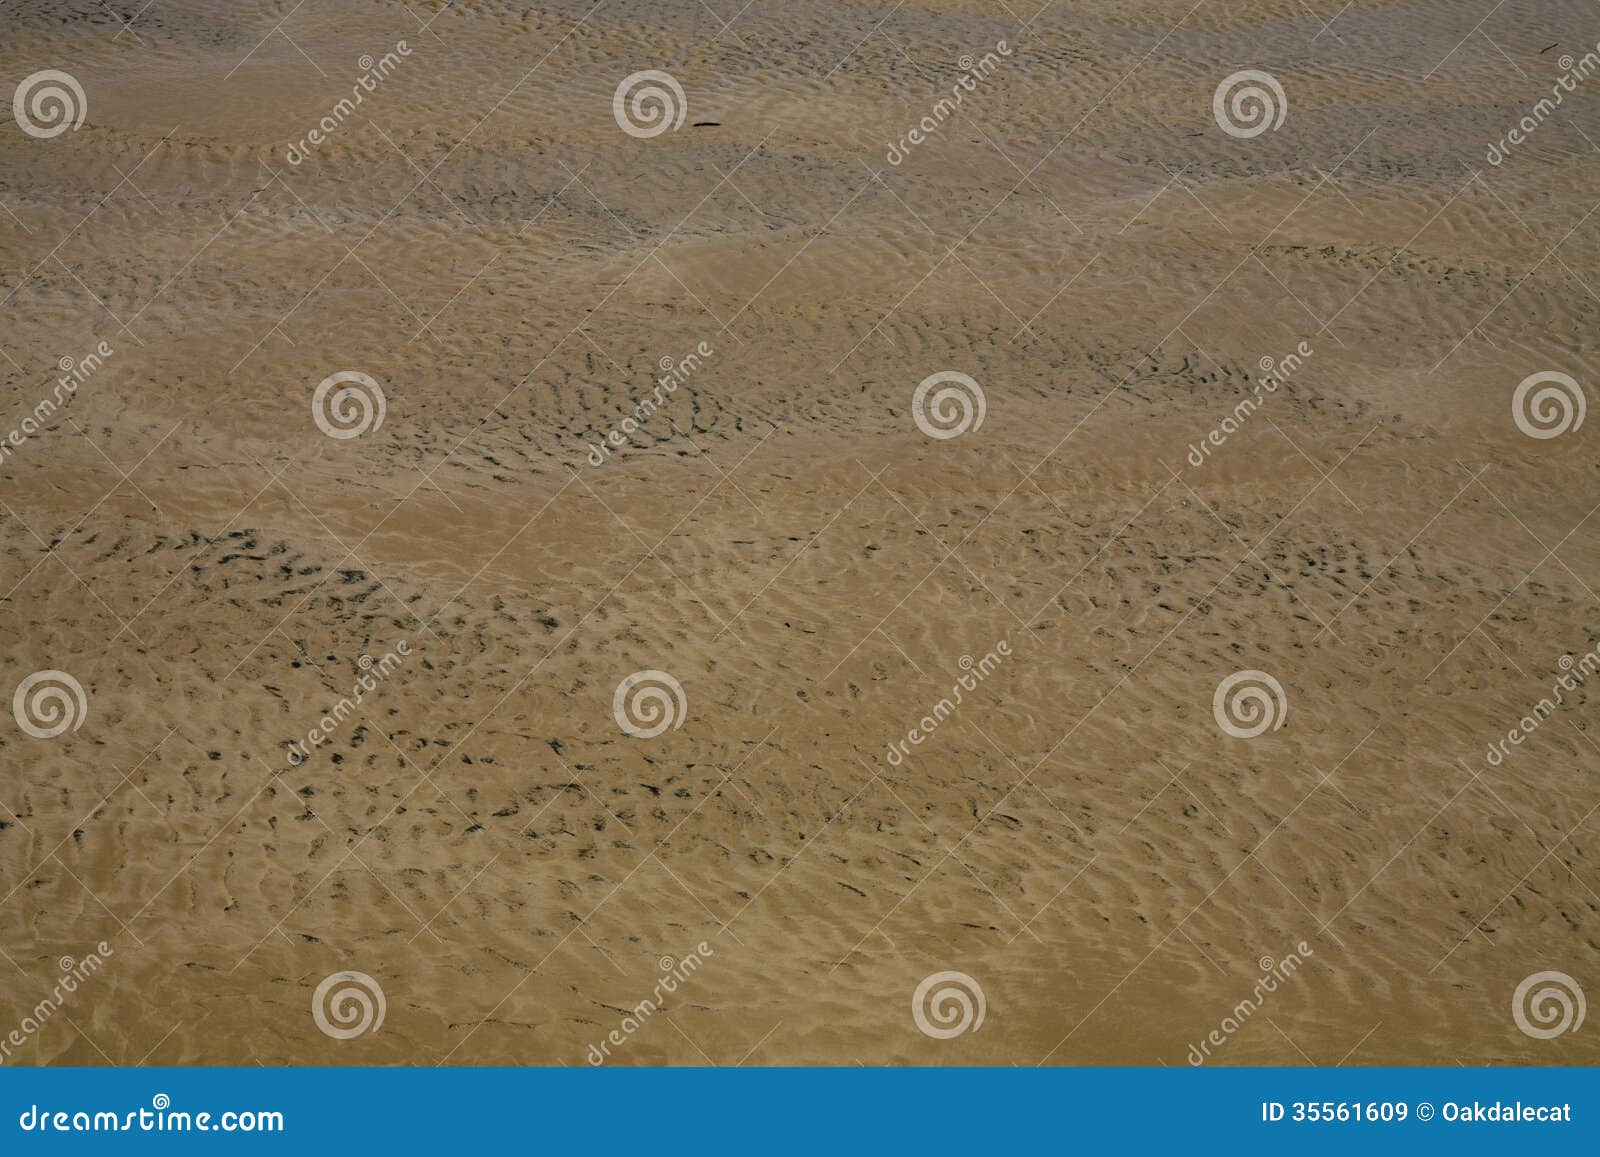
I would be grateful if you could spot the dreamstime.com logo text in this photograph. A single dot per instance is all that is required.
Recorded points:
(372, 71)
(161, 1117)
(673, 973)
(1575, 672)
(73, 374)
(972, 674)
(673, 375)
(1573, 73)
(73, 973)
(1273, 973)
(972, 72)
(1274, 374)
(373, 672)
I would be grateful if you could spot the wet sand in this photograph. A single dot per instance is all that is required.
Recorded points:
(1080, 838)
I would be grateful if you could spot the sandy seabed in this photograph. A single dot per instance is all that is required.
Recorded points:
(1230, 389)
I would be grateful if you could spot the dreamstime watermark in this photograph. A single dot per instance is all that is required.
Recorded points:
(48, 703)
(646, 703)
(1273, 973)
(373, 672)
(73, 973)
(48, 103)
(957, 405)
(348, 1004)
(372, 72)
(1548, 1004)
(159, 1118)
(673, 375)
(947, 1004)
(673, 973)
(973, 674)
(1548, 404)
(1274, 374)
(1249, 102)
(647, 104)
(1247, 703)
(348, 404)
(1575, 673)
(74, 372)
(1573, 73)
(972, 72)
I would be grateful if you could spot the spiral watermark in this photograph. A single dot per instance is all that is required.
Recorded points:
(957, 407)
(646, 703)
(1249, 102)
(1548, 404)
(348, 1004)
(1247, 703)
(47, 703)
(348, 404)
(48, 103)
(947, 1004)
(647, 104)
(1548, 1004)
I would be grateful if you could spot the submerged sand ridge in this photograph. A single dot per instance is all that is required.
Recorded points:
(499, 849)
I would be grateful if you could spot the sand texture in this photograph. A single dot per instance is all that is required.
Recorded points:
(1103, 856)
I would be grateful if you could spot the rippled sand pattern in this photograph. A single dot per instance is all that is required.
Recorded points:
(1081, 837)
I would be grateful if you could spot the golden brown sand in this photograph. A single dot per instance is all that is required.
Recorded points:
(1079, 837)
